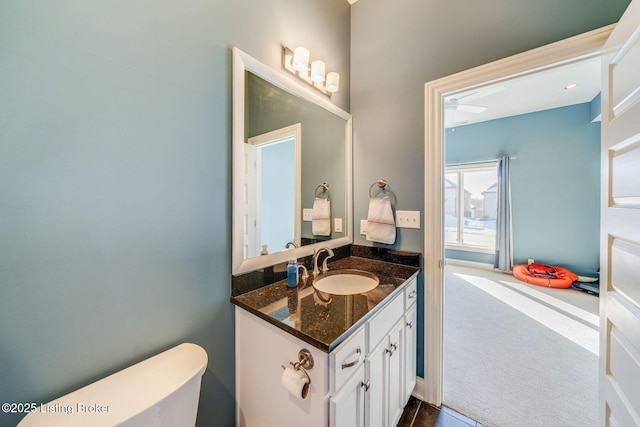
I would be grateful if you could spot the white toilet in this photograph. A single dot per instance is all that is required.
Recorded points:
(160, 391)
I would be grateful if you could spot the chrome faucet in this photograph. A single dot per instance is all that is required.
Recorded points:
(324, 263)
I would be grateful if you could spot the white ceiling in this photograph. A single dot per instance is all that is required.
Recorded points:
(537, 92)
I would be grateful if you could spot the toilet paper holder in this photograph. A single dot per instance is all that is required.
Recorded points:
(304, 363)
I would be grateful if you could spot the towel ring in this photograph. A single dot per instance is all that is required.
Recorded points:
(324, 187)
(382, 183)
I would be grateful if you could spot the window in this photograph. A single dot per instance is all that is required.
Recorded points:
(470, 207)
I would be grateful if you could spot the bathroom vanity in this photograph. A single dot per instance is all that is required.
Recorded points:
(363, 344)
(363, 348)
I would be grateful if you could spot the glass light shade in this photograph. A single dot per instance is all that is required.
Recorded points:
(317, 71)
(301, 59)
(333, 82)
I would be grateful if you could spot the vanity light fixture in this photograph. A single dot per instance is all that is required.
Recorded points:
(297, 63)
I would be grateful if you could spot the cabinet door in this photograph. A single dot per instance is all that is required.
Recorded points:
(375, 399)
(347, 405)
(384, 400)
(410, 348)
(395, 374)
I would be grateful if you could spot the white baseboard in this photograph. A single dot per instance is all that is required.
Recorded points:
(418, 390)
(473, 264)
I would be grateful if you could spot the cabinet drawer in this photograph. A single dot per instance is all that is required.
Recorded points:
(380, 324)
(347, 358)
(411, 293)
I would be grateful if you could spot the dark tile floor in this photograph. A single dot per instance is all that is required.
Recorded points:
(420, 414)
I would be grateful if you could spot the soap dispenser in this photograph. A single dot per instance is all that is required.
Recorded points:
(292, 273)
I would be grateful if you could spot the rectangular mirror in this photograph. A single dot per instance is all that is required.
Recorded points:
(287, 142)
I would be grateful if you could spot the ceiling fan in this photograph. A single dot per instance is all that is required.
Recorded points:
(460, 104)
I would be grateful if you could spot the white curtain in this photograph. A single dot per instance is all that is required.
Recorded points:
(504, 258)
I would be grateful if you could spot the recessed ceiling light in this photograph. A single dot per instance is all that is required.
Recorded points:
(571, 86)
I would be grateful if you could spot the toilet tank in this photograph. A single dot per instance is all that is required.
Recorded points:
(160, 391)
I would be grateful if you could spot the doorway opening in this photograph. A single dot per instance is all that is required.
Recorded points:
(506, 341)
(568, 51)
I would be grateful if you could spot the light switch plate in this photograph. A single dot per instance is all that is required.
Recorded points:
(307, 214)
(337, 225)
(408, 219)
(363, 226)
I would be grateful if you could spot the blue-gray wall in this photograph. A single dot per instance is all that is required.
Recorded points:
(115, 133)
(115, 181)
(555, 183)
(398, 46)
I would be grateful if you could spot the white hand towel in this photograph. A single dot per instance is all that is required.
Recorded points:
(381, 226)
(321, 218)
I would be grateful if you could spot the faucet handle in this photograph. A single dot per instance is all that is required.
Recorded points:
(305, 273)
(325, 268)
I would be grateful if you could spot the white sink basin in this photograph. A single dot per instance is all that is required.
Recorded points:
(346, 282)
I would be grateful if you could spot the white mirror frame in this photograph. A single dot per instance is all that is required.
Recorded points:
(241, 63)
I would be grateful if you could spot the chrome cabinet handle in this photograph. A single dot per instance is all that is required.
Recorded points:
(366, 385)
(410, 324)
(350, 364)
(412, 294)
(391, 348)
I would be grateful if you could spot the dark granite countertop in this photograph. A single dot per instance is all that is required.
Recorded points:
(325, 320)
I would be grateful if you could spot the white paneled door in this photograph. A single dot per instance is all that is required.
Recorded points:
(620, 242)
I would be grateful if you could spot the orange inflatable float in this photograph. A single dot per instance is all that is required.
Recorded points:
(544, 275)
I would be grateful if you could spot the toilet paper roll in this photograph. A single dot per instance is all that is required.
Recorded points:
(295, 382)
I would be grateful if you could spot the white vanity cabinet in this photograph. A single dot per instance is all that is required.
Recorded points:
(261, 351)
(385, 385)
(365, 381)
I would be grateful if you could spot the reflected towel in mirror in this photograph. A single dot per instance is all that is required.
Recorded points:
(321, 218)
(381, 226)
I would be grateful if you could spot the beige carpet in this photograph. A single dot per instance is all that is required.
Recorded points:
(519, 355)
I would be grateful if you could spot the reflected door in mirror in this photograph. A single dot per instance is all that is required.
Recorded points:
(273, 164)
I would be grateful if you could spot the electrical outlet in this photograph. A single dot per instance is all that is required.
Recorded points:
(363, 226)
(337, 225)
(307, 214)
(408, 219)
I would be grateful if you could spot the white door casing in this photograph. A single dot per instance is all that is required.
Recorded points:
(619, 372)
(257, 143)
(574, 49)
